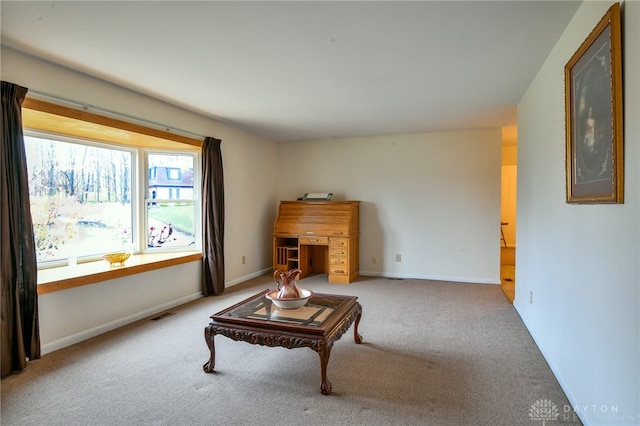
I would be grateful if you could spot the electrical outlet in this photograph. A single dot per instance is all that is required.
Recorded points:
(531, 297)
(243, 260)
(374, 260)
(398, 258)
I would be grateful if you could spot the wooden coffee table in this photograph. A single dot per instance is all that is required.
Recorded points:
(317, 325)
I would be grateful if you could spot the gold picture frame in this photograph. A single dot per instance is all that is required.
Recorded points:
(593, 111)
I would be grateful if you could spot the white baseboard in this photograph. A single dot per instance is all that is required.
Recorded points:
(430, 277)
(87, 334)
(96, 331)
(561, 381)
(120, 322)
(247, 277)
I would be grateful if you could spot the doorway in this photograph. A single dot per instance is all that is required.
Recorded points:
(508, 272)
(509, 179)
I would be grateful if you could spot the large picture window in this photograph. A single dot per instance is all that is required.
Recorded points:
(100, 191)
(81, 197)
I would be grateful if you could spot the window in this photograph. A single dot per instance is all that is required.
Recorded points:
(100, 190)
(80, 197)
(173, 173)
(171, 201)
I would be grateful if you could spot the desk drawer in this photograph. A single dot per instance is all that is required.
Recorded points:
(339, 242)
(338, 270)
(338, 252)
(339, 261)
(313, 241)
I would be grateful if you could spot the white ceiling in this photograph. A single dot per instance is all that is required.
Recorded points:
(306, 70)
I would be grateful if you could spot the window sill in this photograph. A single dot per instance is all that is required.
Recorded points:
(65, 277)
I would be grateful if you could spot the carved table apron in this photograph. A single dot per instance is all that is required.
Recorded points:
(317, 325)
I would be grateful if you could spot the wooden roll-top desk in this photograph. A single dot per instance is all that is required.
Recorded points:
(318, 237)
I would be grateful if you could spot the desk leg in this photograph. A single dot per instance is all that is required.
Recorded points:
(324, 350)
(208, 337)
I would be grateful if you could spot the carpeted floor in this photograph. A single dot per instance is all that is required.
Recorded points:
(434, 353)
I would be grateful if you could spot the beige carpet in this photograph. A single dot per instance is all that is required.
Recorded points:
(434, 353)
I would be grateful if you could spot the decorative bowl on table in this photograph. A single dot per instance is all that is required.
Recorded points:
(116, 259)
(289, 303)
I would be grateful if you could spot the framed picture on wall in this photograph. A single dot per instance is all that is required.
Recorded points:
(593, 110)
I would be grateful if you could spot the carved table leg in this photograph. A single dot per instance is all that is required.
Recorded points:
(208, 337)
(357, 337)
(324, 350)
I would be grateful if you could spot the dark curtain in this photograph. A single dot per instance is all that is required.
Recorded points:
(212, 218)
(18, 267)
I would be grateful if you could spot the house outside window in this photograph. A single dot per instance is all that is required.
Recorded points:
(171, 200)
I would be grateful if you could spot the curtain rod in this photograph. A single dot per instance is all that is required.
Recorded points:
(114, 114)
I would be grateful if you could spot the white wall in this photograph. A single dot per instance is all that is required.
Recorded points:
(74, 315)
(432, 198)
(250, 179)
(581, 262)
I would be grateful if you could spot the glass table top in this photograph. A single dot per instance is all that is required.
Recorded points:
(314, 313)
